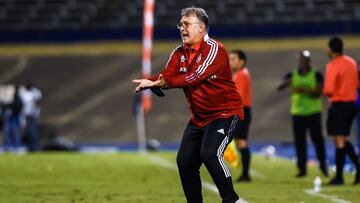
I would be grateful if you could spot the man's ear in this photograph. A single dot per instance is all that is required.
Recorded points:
(242, 62)
(202, 28)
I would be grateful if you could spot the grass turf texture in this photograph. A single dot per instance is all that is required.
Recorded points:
(130, 177)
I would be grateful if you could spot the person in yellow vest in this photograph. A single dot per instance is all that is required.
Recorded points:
(306, 107)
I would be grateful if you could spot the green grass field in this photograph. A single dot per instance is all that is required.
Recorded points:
(132, 177)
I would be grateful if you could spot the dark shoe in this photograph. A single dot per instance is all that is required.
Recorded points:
(301, 174)
(243, 179)
(336, 181)
(357, 178)
(324, 170)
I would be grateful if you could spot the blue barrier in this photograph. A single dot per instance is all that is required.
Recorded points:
(217, 31)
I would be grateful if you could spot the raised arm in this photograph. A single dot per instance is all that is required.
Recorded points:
(157, 81)
(209, 64)
(284, 82)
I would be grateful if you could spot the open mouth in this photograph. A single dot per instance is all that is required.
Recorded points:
(184, 35)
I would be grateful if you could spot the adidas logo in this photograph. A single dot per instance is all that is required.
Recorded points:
(221, 131)
(183, 59)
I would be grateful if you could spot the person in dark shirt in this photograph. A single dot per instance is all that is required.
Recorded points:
(11, 119)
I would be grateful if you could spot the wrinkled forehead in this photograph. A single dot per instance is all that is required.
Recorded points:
(189, 18)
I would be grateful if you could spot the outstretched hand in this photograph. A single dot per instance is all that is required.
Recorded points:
(146, 84)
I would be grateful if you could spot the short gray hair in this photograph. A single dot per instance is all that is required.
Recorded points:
(199, 13)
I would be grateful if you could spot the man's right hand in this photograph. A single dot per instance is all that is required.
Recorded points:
(146, 84)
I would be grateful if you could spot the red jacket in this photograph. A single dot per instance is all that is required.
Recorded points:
(206, 81)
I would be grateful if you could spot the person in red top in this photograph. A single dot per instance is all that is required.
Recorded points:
(242, 79)
(200, 66)
(341, 84)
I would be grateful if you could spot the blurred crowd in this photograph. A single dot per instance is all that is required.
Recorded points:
(20, 112)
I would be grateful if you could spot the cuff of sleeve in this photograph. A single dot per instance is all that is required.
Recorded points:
(167, 84)
(153, 78)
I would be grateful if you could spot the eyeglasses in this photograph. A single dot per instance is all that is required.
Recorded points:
(185, 24)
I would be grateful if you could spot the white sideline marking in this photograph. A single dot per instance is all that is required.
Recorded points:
(332, 198)
(210, 187)
(167, 164)
(162, 162)
(257, 174)
(311, 192)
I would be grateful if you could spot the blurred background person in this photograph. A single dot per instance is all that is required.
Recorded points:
(358, 113)
(306, 106)
(341, 85)
(11, 114)
(31, 97)
(358, 120)
(242, 79)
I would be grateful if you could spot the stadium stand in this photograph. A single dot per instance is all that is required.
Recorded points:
(92, 14)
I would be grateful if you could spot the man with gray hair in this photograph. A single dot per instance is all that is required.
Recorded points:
(200, 66)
